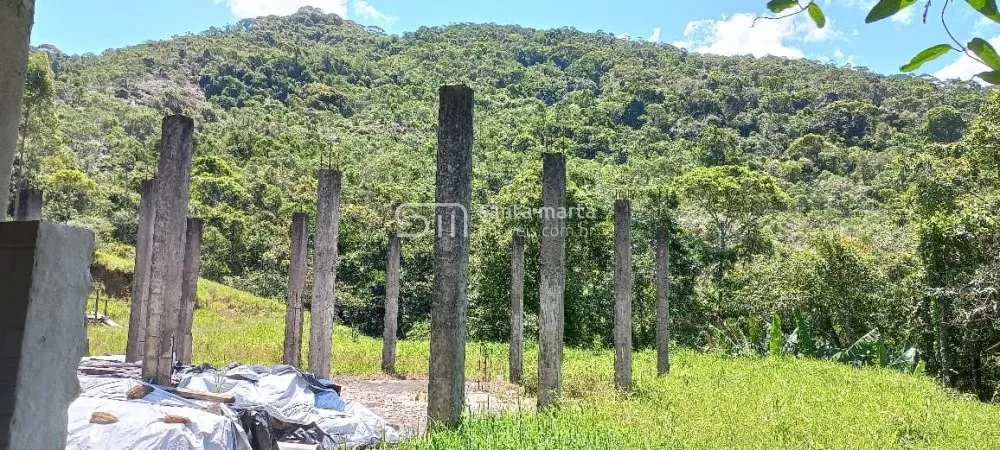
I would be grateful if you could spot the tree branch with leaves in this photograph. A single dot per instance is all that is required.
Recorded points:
(978, 49)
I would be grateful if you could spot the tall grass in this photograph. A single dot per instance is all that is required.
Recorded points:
(708, 401)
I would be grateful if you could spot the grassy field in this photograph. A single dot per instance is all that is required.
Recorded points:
(709, 401)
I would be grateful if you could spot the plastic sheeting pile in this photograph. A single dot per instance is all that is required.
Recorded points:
(139, 424)
(273, 404)
(296, 399)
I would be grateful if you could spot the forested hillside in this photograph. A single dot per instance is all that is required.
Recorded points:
(789, 185)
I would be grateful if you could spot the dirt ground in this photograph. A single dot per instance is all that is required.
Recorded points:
(403, 402)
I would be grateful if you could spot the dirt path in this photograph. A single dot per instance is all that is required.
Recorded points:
(403, 403)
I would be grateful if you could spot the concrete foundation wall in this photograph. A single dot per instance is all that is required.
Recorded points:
(552, 282)
(172, 195)
(292, 350)
(391, 318)
(623, 294)
(325, 272)
(29, 205)
(662, 280)
(449, 307)
(140, 277)
(45, 281)
(189, 289)
(517, 307)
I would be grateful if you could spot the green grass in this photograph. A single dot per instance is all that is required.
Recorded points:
(708, 401)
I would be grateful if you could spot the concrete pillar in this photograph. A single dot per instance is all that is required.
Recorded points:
(16, 20)
(517, 307)
(140, 275)
(390, 327)
(662, 263)
(294, 316)
(172, 194)
(29, 205)
(623, 294)
(446, 387)
(552, 284)
(189, 289)
(44, 281)
(324, 272)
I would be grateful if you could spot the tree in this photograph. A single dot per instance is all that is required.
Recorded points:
(953, 204)
(720, 147)
(38, 95)
(734, 198)
(943, 124)
(977, 49)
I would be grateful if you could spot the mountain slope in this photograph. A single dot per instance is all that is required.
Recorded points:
(277, 98)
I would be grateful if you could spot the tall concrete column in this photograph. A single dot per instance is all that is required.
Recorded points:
(29, 205)
(44, 284)
(16, 20)
(172, 195)
(324, 272)
(662, 300)
(552, 284)
(390, 327)
(623, 294)
(446, 387)
(517, 307)
(189, 289)
(292, 352)
(140, 275)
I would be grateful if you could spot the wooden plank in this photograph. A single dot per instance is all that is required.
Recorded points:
(201, 395)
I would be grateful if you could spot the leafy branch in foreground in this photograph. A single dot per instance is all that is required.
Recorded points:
(977, 49)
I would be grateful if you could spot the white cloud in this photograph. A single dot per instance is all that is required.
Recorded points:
(982, 26)
(964, 67)
(904, 17)
(365, 10)
(738, 35)
(255, 8)
(655, 37)
(839, 57)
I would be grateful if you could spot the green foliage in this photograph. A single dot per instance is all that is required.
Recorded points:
(804, 335)
(884, 9)
(987, 8)
(943, 124)
(928, 55)
(720, 147)
(758, 152)
(774, 345)
(39, 87)
(985, 51)
(816, 14)
(887, 8)
(709, 400)
(777, 6)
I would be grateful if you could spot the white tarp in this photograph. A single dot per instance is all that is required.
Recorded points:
(287, 396)
(140, 423)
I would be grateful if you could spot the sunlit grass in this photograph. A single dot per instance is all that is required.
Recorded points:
(708, 401)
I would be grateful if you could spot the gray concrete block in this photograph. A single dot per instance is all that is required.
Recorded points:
(29, 205)
(43, 305)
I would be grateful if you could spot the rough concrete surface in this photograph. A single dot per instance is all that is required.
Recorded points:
(45, 278)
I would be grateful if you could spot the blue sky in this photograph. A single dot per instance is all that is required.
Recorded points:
(720, 27)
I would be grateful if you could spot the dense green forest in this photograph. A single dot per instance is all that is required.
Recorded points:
(827, 198)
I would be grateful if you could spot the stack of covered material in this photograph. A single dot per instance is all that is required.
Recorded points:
(301, 408)
(125, 414)
(237, 408)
